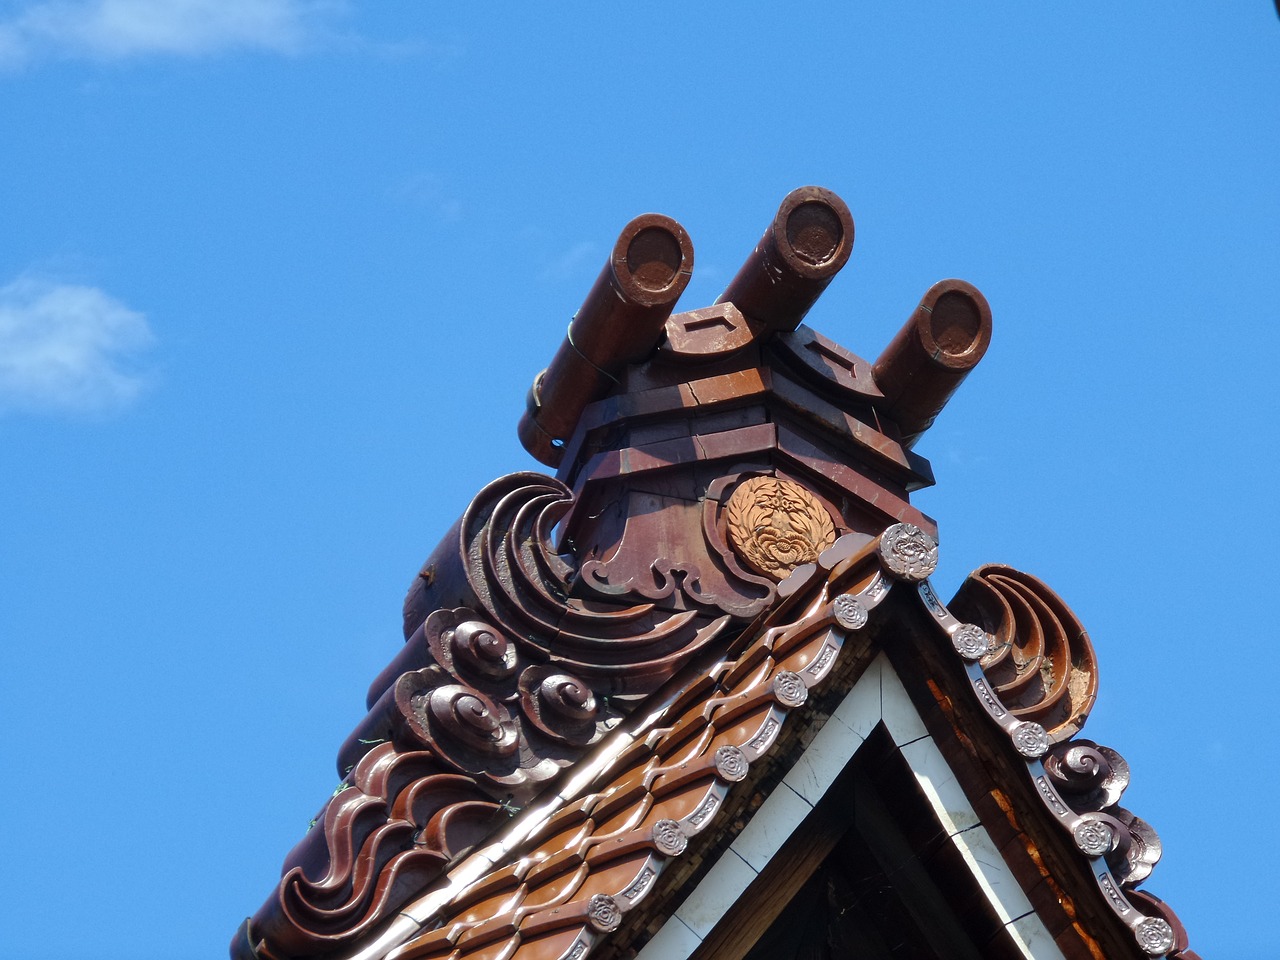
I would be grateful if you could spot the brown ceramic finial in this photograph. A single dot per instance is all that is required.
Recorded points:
(931, 355)
(619, 323)
(804, 248)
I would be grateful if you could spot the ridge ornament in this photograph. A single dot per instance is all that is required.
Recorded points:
(776, 525)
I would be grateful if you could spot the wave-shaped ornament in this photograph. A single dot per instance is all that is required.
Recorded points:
(1040, 661)
(594, 859)
(491, 698)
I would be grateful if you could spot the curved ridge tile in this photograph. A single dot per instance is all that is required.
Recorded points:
(1042, 665)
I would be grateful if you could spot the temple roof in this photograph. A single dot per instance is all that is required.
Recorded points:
(616, 681)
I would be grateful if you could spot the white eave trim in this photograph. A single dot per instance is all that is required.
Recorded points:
(877, 697)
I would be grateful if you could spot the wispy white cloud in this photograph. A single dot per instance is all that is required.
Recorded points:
(573, 262)
(429, 191)
(68, 348)
(119, 29)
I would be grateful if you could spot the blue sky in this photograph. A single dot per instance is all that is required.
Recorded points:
(275, 276)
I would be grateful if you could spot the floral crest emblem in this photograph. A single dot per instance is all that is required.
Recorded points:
(775, 525)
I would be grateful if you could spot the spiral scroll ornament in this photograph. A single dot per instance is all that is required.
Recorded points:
(1040, 663)
(491, 602)
(455, 715)
(1143, 848)
(567, 696)
(470, 648)
(1090, 776)
(908, 553)
(483, 649)
(519, 578)
(775, 525)
(559, 705)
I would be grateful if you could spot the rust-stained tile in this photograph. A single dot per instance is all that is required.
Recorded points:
(729, 387)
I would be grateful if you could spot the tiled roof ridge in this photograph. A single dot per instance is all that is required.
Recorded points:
(1078, 781)
(561, 905)
(560, 617)
(491, 698)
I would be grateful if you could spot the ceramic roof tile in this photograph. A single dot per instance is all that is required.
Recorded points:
(600, 684)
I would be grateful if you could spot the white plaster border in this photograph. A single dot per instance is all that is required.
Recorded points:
(877, 696)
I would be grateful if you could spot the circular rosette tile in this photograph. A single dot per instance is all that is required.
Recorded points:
(908, 553)
(971, 641)
(669, 839)
(1155, 936)
(849, 612)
